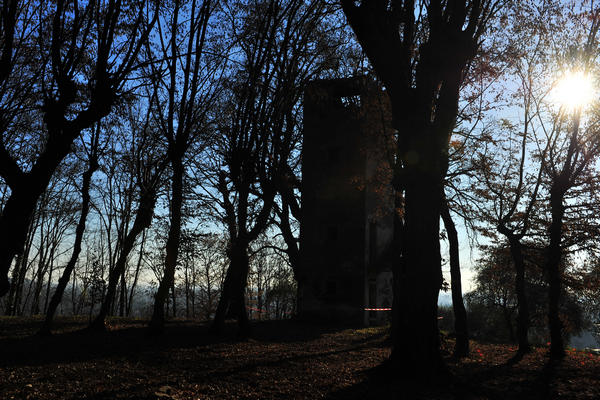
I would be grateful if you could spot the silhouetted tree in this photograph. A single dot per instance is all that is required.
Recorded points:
(541, 158)
(570, 164)
(183, 78)
(515, 156)
(494, 302)
(282, 46)
(147, 162)
(92, 165)
(90, 51)
(421, 52)
(461, 349)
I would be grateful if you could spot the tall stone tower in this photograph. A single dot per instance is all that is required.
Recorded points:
(347, 203)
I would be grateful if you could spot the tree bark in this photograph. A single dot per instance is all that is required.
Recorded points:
(157, 322)
(509, 324)
(516, 251)
(553, 261)
(143, 219)
(20, 270)
(62, 122)
(122, 295)
(49, 285)
(79, 231)
(137, 273)
(12, 293)
(15, 219)
(461, 349)
(232, 302)
(292, 243)
(416, 343)
(424, 88)
(23, 272)
(398, 260)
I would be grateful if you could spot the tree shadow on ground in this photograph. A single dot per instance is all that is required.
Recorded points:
(497, 382)
(131, 341)
(286, 331)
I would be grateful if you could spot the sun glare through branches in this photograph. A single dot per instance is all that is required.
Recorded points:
(574, 91)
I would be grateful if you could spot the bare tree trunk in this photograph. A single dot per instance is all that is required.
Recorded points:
(187, 288)
(461, 349)
(79, 231)
(158, 317)
(417, 336)
(397, 260)
(15, 219)
(193, 297)
(137, 273)
(553, 261)
(231, 302)
(143, 219)
(11, 301)
(122, 295)
(516, 251)
(73, 287)
(423, 82)
(509, 324)
(67, 111)
(21, 282)
(209, 293)
(174, 297)
(38, 281)
(49, 284)
(292, 243)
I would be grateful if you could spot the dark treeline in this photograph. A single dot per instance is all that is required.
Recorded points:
(150, 159)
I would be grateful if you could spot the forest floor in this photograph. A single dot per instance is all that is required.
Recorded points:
(282, 360)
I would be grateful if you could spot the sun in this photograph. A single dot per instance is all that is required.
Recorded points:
(574, 91)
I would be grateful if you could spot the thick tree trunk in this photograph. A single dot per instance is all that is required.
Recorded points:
(25, 193)
(232, 302)
(461, 349)
(516, 251)
(143, 219)
(14, 222)
(66, 275)
(158, 317)
(553, 261)
(424, 91)
(509, 324)
(416, 343)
